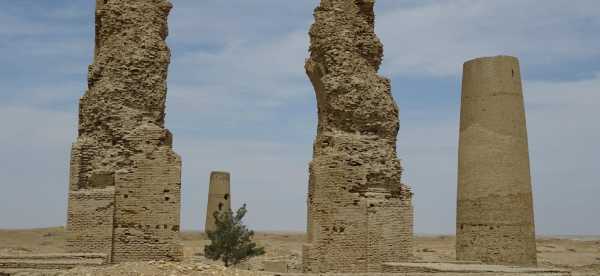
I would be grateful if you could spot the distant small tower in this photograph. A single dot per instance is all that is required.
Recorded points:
(219, 197)
(495, 207)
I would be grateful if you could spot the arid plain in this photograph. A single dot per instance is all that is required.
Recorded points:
(580, 254)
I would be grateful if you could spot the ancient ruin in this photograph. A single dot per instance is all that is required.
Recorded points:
(49, 261)
(219, 197)
(468, 268)
(125, 179)
(359, 213)
(495, 207)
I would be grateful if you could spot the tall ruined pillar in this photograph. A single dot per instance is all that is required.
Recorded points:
(125, 179)
(219, 197)
(359, 213)
(495, 207)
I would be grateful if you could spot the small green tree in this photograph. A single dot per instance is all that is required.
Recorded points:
(231, 241)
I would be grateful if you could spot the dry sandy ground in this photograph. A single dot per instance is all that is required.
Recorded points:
(579, 254)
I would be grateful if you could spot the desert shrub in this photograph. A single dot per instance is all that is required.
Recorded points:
(231, 241)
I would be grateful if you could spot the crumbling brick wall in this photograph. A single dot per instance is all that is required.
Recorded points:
(148, 200)
(90, 220)
(122, 142)
(359, 213)
(21, 264)
(219, 197)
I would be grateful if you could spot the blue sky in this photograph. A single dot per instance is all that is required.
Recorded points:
(239, 101)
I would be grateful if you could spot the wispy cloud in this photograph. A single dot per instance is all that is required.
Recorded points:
(239, 100)
(34, 165)
(563, 138)
(266, 175)
(261, 69)
(563, 135)
(436, 37)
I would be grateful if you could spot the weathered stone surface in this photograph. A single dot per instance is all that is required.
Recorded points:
(125, 179)
(280, 266)
(469, 269)
(495, 207)
(219, 197)
(51, 261)
(359, 213)
(90, 220)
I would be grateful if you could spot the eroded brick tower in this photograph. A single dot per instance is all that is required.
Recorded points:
(494, 221)
(219, 198)
(359, 213)
(125, 179)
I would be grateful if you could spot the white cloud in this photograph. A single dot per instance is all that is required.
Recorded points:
(216, 23)
(242, 84)
(563, 138)
(437, 37)
(266, 175)
(270, 69)
(428, 150)
(34, 156)
(237, 77)
(56, 96)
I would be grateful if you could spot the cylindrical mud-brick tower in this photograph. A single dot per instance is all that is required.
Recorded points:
(494, 221)
(219, 198)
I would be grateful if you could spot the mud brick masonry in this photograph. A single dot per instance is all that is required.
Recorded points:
(219, 197)
(125, 179)
(359, 213)
(495, 206)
